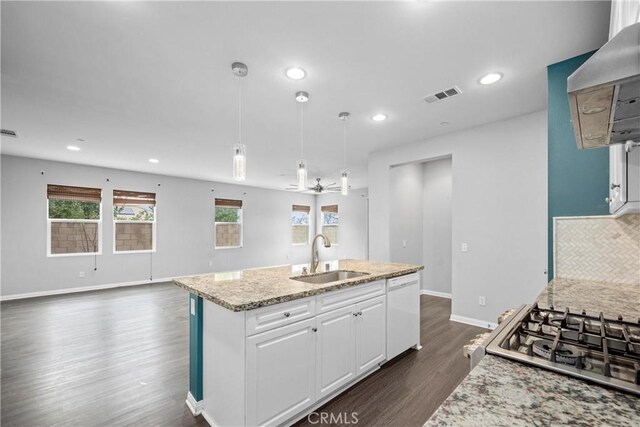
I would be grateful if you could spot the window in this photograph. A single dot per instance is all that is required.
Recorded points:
(330, 221)
(134, 221)
(74, 223)
(300, 224)
(228, 223)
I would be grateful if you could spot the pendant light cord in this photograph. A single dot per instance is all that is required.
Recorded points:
(302, 130)
(239, 110)
(344, 144)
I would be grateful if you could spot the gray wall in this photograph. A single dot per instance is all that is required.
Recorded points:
(184, 229)
(405, 219)
(437, 225)
(352, 231)
(499, 207)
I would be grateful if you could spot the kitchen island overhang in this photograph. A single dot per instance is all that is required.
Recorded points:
(254, 331)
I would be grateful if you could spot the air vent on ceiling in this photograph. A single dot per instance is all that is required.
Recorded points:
(443, 95)
(7, 132)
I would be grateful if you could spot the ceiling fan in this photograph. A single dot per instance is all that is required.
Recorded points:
(317, 188)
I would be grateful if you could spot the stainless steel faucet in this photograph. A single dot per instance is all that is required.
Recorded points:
(314, 252)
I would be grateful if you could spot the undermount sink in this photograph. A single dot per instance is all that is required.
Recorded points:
(329, 276)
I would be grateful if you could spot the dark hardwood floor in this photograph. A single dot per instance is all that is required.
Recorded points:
(120, 357)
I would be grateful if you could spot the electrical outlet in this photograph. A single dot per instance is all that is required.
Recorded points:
(464, 247)
(210, 263)
(404, 243)
(81, 274)
(481, 301)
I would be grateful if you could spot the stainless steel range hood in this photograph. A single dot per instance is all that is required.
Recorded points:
(604, 93)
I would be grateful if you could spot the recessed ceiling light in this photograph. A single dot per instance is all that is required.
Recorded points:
(490, 78)
(73, 148)
(295, 73)
(379, 117)
(154, 161)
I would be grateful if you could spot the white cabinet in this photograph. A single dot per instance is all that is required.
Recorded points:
(271, 365)
(280, 373)
(624, 179)
(371, 344)
(350, 341)
(335, 350)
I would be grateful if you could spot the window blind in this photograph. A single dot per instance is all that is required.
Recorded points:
(301, 208)
(330, 208)
(122, 197)
(228, 203)
(66, 192)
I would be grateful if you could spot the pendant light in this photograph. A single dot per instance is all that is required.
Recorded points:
(240, 70)
(302, 98)
(344, 178)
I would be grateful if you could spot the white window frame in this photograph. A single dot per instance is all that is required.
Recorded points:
(128, 221)
(322, 225)
(215, 228)
(308, 229)
(52, 220)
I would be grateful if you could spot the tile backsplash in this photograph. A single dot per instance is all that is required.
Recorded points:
(598, 248)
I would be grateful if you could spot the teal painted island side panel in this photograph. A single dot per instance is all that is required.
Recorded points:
(195, 346)
(578, 179)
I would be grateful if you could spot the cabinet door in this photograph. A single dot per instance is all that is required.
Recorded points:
(335, 350)
(280, 373)
(617, 177)
(370, 333)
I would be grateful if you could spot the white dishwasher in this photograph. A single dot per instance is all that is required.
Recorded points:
(403, 314)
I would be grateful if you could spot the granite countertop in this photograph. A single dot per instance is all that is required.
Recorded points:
(612, 299)
(500, 392)
(250, 289)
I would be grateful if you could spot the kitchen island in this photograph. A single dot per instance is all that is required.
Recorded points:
(267, 346)
(502, 392)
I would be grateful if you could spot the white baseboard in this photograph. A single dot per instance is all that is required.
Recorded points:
(435, 293)
(473, 322)
(82, 289)
(195, 406)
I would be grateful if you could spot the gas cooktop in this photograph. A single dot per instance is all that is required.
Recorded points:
(598, 349)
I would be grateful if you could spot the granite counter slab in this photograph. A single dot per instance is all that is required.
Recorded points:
(251, 289)
(501, 392)
(612, 299)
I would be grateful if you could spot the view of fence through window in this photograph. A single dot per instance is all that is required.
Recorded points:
(134, 216)
(330, 222)
(228, 223)
(73, 219)
(300, 224)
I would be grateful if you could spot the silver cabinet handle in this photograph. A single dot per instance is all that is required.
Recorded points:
(314, 329)
(614, 186)
(287, 314)
(359, 313)
(355, 314)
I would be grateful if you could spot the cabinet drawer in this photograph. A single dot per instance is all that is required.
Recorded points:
(336, 299)
(274, 316)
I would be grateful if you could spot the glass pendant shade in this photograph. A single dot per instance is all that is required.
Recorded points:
(302, 175)
(239, 162)
(344, 183)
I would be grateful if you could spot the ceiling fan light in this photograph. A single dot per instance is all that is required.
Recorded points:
(302, 175)
(239, 162)
(344, 183)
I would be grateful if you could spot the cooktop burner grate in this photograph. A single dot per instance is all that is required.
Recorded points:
(599, 349)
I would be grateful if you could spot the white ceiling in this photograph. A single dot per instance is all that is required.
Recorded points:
(153, 79)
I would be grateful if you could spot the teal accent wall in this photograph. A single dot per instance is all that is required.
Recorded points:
(195, 347)
(578, 179)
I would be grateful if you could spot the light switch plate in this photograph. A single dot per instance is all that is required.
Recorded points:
(193, 306)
